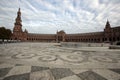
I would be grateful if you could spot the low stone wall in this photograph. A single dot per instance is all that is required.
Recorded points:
(77, 44)
(114, 47)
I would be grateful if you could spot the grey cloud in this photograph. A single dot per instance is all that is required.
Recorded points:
(73, 16)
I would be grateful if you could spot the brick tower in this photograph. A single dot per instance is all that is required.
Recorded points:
(107, 31)
(17, 30)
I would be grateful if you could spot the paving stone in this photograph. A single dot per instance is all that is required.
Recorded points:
(41, 75)
(1, 63)
(108, 74)
(90, 75)
(77, 71)
(116, 70)
(19, 65)
(18, 77)
(74, 77)
(6, 65)
(59, 73)
(38, 68)
(4, 71)
(19, 70)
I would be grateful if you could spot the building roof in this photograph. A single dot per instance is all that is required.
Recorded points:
(90, 33)
(118, 27)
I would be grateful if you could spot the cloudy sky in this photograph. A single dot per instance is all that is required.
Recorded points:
(72, 16)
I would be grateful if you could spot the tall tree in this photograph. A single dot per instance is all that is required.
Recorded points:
(2, 33)
(5, 33)
(8, 33)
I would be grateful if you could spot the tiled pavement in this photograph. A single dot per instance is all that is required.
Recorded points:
(47, 62)
(23, 72)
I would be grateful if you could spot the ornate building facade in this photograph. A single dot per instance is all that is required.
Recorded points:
(108, 35)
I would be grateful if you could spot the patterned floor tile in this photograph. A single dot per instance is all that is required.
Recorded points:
(90, 75)
(44, 73)
(18, 77)
(108, 74)
(38, 68)
(41, 75)
(18, 64)
(74, 77)
(4, 71)
(59, 73)
(1, 62)
(116, 70)
(77, 71)
(6, 65)
(19, 70)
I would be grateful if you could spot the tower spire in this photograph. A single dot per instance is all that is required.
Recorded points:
(19, 9)
(107, 24)
(18, 19)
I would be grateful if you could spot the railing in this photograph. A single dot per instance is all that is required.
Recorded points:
(81, 44)
(9, 41)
